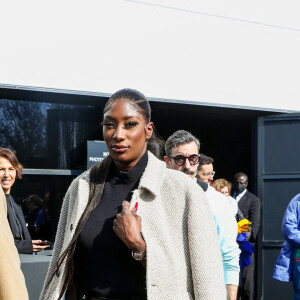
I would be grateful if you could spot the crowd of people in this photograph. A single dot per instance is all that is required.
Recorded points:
(148, 222)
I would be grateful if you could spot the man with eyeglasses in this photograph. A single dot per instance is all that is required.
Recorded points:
(206, 171)
(182, 154)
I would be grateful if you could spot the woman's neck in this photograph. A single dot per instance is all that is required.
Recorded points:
(6, 192)
(127, 166)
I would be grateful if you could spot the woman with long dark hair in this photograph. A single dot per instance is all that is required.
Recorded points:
(129, 227)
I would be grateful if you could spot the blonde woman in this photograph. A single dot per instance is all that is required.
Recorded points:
(224, 186)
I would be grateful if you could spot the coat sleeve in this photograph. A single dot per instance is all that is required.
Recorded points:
(254, 217)
(59, 241)
(290, 223)
(205, 254)
(24, 246)
(12, 283)
(227, 233)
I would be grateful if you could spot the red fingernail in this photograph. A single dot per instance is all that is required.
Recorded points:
(136, 206)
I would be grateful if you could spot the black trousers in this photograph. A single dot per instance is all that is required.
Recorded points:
(83, 295)
(246, 286)
(86, 297)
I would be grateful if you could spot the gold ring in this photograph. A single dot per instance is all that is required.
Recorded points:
(125, 204)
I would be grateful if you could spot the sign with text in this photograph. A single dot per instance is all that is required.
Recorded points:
(96, 151)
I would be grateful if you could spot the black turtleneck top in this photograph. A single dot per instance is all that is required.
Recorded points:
(103, 264)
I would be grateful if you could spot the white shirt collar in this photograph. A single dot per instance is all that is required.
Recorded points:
(239, 196)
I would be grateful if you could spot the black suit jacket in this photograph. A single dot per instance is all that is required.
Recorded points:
(250, 207)
(24, 246)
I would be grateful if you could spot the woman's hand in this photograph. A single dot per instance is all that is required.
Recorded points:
(127, 226)
(38, 245)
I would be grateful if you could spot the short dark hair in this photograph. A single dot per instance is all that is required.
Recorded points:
(180, 137)
(241, 174)
(36, 200)
(204, 160)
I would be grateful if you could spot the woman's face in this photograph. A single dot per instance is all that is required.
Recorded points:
(225, 191)
(7, 174)
(125, 132)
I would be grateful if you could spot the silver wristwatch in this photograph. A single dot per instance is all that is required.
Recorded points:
(139, 255)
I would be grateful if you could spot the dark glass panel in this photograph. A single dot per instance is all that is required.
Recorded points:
(279, 146)
(272, 288)
(51, 190)
(49, 135)
(277, 195)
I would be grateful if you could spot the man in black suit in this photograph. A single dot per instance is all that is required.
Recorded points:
(249, 205)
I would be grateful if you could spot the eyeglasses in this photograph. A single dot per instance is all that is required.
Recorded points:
(209, 173)
(180, 159)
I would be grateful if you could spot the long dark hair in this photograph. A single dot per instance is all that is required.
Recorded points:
(98, 174)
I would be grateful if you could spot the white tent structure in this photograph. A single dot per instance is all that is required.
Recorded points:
(232, 54)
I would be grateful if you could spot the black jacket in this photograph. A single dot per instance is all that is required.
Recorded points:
(24, 244)
(250, 207)
(203, 184)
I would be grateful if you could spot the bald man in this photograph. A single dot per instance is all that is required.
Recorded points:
(12, 283)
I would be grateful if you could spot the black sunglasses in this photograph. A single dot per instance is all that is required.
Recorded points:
(180, 159)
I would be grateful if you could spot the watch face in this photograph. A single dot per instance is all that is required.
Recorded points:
(139, 255)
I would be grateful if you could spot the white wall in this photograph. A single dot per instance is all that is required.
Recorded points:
(233, 52)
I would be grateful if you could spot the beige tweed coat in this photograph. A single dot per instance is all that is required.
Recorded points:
(12, 283)
(183, 255)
